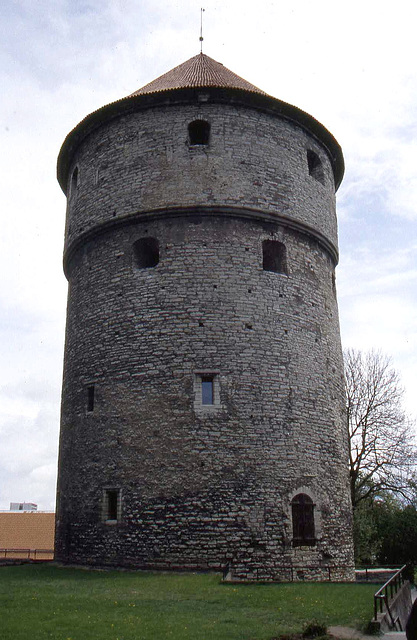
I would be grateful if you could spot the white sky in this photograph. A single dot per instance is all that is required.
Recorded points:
(349, 64)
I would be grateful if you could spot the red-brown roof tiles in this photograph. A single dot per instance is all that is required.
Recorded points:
(200, 71)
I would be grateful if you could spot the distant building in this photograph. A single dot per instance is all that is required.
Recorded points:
(23, 506)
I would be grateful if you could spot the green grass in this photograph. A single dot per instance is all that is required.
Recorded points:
(44, 601)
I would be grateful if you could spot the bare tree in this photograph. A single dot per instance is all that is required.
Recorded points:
(383, 453)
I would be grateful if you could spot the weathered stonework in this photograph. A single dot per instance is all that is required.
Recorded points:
(201, 486)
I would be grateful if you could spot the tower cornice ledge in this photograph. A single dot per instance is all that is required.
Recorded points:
(199, 211)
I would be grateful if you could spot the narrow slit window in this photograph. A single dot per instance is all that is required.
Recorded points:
(274, 256)
(207, 390)
(146, 253)
(111, 505)
(74, 181)
(90, 398)
(302, 508)
(315, 166)
(199, 132)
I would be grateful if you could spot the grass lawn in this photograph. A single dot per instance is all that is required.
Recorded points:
(44, 601)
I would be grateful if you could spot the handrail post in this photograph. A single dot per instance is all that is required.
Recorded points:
(387, 590)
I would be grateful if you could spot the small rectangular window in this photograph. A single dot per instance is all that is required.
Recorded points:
(207, 390)
(111, 505)
(90, 398)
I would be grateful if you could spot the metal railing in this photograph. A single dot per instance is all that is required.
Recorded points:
(27, 554)
(386, 593)
(373, 573)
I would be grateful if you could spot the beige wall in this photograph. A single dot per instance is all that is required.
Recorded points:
(28, 530)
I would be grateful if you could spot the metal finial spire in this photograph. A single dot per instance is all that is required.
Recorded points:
(201, 30)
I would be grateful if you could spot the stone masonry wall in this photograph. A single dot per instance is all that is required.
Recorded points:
(142, 161)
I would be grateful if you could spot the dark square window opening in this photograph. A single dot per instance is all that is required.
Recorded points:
(146, 253)
(274, 256)
(199, 132)
(315, 167)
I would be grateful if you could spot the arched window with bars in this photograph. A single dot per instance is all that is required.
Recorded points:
(302, 508)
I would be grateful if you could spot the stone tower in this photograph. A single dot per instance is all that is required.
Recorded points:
(202, 407)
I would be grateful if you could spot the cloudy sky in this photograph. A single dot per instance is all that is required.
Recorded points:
(349, 64)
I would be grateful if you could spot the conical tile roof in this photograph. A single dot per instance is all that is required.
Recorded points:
(199, 71)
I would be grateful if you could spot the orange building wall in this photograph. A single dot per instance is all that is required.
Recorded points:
(24, 531)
